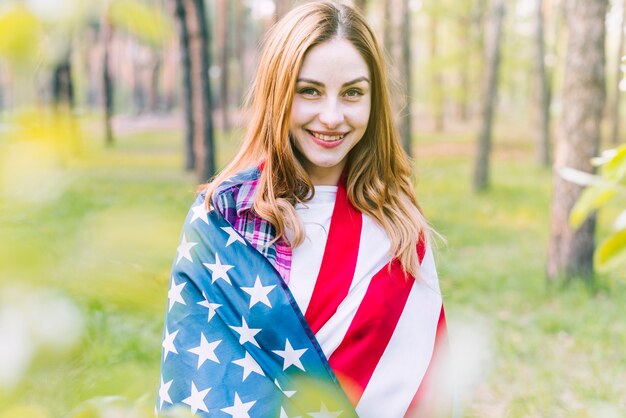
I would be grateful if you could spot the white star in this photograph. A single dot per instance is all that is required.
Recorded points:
(219, 270)
(212, 306)
(283, 414)
(249, 365)
(199, 212)
(168, 343)
(246, 334)
(291, 356)
(184, 249)
(287, 393)
(239, 409)
(196, 399)
(174, 294)
(205, 351)
(259, 293)
(233, 236)
(325, 413)
(164, 395)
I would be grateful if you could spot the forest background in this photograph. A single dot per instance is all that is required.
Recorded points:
(112, 111)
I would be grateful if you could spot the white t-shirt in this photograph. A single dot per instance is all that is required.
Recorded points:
(306, 258)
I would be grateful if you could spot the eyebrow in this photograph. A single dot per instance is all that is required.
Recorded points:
(317, 83)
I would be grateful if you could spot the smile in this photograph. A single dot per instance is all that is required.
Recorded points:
(327, 138)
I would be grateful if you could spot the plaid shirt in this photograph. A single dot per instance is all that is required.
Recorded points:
(234, 199)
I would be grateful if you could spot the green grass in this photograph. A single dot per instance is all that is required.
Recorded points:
(106, 239)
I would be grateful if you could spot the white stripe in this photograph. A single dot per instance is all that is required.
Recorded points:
(373, 256)
(402, 366)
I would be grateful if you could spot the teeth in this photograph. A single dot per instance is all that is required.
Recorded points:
(327, 138)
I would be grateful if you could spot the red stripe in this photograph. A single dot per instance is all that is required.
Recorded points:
(433, 399)
(371, 329)
(339, 261)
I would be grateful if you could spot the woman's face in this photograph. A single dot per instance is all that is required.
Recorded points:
(331, 108)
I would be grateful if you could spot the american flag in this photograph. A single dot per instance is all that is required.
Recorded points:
(237, 345)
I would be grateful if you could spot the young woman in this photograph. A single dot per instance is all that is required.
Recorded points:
(304, 283)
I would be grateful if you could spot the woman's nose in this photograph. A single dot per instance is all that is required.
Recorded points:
(331, 114)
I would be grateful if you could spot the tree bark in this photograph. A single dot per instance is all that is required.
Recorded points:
(183, 35)
(570, 252)
(361, 5)
(615, 108)
(282, 7)
(543, 91)
(490, 91)
(107, 81)
(224, 55)
(436, 81)
(405, 68)
(202, 109)
(62, 85)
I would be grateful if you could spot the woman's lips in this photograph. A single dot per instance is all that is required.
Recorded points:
(327, 139)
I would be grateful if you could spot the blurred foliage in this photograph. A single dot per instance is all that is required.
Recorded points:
(146, 23)
(20, 33)
(602, 190)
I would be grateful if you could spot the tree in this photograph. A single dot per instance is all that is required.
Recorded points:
(570, 251)
(224, 47)
(615, 107)
(194, 38)
(543, 91)
(361, 4)
(62, 85)
(106, 34)
(282, 7)
(490, 90)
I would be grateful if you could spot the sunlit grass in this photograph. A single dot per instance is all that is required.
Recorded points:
(105, 244)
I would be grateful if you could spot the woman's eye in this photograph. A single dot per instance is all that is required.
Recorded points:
(353, 93)
(308, 91)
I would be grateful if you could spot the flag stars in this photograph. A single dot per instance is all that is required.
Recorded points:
(174, 294)
(291, 357)
(196, 399)
(199, 212)
(287, 393)
(164, 395)
(233, 236)
(258, 293)
(249, 365)
(239, 409)
(211, 306)
(324, 413)
(184, 249)
(219, 270)
(168, 343)
(205, 351)
(246, 334)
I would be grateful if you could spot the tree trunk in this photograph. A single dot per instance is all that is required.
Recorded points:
(570, 252)
(62, 86)
(183, 34)
(465, 30)
(436, 81)
(615, 108)
(107, 81)
(490, 91)
(282, 7)
(405, 69)
(202, 109)
(543, 92)
(387, 28)
(224, 55)
(154, 96)
(239, 48)
(361, 5)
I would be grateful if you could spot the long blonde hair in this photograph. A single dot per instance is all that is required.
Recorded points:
(378, 171)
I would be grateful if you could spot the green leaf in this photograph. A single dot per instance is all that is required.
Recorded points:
(592, 198)
(611, 253)
(140, 20)
(615, 169)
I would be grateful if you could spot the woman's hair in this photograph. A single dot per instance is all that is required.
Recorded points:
(378, 171)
